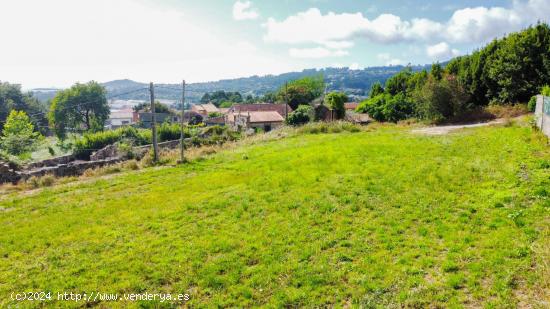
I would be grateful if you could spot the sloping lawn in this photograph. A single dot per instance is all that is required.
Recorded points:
(383, 219)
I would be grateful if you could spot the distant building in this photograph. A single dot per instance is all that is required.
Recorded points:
(120, 118)
(265, 120)
(215, 121)
(231, 116)
(204, 109)
(351, 106)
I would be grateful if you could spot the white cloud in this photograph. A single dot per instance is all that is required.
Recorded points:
(64, 41)
(316, 53)
(387, 59)
(441, 51)
(244, 11)
(469, 25)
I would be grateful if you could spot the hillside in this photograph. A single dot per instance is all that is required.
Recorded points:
(354, 82)
(381, 217)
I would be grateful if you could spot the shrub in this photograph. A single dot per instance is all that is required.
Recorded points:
(440, 100)
(303, 114)
(171, 131)
(91, 142)
(546, 91)
(385, 107)
(532, 104)
(18, 135)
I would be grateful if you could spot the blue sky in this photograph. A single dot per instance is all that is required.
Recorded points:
(60, 42)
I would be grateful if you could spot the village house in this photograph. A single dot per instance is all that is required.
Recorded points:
(351, 106)
(120, 118)
(204, 109)
(264, 116)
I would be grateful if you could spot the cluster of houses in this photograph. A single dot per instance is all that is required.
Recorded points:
(263, 116)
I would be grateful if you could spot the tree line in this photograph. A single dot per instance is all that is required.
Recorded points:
(510, 70)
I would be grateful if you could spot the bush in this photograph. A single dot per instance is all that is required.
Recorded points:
(91, 142)
(385, 107)
(303, 114)
(546, 91)
(441, 100)
(18, 135)
(171, 131)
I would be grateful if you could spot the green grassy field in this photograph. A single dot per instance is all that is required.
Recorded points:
(383, 218)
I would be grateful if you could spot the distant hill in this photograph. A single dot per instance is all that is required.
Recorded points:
(353, 82)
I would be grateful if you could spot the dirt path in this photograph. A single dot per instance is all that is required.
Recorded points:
(442, 130)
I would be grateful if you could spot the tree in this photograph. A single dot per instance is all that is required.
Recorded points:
(385, 107)
(443, 99)
(226, 104)
(18, 135)
(303, 114)
(79, 107)
(336, 101)
(376, 89)
(11, 98)
(146, 107)
(301, 91)
(437, 71)
(217, 97)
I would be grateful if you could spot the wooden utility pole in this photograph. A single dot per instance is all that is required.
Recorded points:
(182, 137)
(154, 123)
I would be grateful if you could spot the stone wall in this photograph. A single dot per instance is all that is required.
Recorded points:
(74, 168)
(111, 151)
(8, 173)
(52, 162)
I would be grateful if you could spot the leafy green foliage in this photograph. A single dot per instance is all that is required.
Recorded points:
(11, 98)
(336, 101)
(376, 89)
(226, 104)
(215, 114)
(508, 70)
(302, 91)
(159, 108)
(217, 97)
(303, 114)
(441, 99)
(386, 107)
(18, 135)
(91, 142)
(545, 90)
(81, 107)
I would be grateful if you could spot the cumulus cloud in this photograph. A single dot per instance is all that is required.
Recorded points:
(244, 11)
(387, 59)
(441, 51)
(468, 25)
(316, 53)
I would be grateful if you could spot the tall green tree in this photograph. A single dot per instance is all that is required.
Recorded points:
(18, 135)
(80, 108)
(302, 91)
(336, 101)
(12, 98)
(376, 89)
